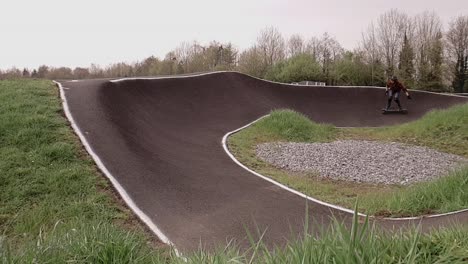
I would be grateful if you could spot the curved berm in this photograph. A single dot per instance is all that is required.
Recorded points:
(161, 140)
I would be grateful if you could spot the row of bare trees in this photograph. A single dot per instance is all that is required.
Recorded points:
(417, 49)
(272, 51)
(186, 58)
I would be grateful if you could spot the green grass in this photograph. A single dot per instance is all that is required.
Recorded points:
(56, 208)
(292, 126)
(362, 243)
(287, 125)
(84, 242)
(445, 130)
(446, 194)
(49, 187)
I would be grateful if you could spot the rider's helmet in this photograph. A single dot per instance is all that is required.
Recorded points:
(394, 78)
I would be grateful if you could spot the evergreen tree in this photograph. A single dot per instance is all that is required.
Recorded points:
(461, 75)
(406, 64)
(435, 76)
(423, 69)
(457, 47)
(26, 73)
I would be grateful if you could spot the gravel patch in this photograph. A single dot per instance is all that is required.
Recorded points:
(361, 161)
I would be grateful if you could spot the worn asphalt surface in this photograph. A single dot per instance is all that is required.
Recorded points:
(161, 140)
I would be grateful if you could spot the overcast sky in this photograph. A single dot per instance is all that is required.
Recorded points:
(78, 33)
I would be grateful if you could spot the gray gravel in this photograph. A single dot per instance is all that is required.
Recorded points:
(361, 161)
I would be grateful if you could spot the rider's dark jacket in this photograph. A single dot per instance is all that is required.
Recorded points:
(396, 86)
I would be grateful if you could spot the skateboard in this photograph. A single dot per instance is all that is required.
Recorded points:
(394, 111)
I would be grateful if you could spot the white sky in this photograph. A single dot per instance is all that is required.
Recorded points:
(81, 32)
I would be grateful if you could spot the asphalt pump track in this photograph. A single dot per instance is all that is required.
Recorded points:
(159, 140)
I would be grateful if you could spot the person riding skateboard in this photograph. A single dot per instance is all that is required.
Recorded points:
(394, 88)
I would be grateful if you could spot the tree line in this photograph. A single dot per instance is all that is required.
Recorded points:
(417, 49)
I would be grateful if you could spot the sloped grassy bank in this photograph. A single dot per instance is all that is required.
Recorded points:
(444, 130)
(54, 205)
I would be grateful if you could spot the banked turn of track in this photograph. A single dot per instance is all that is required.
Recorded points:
(159, 142)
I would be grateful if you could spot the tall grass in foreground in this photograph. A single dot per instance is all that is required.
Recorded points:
(362, 243)
(75, 242)
(52, 209)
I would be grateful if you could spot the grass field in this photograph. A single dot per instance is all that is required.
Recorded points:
(54, 205)
(56, 208)
(442, 130)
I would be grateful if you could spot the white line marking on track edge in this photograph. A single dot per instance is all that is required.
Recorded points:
(143, 217)
(224, 143)
(287, 84)
(226, 149)
(146, 219)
